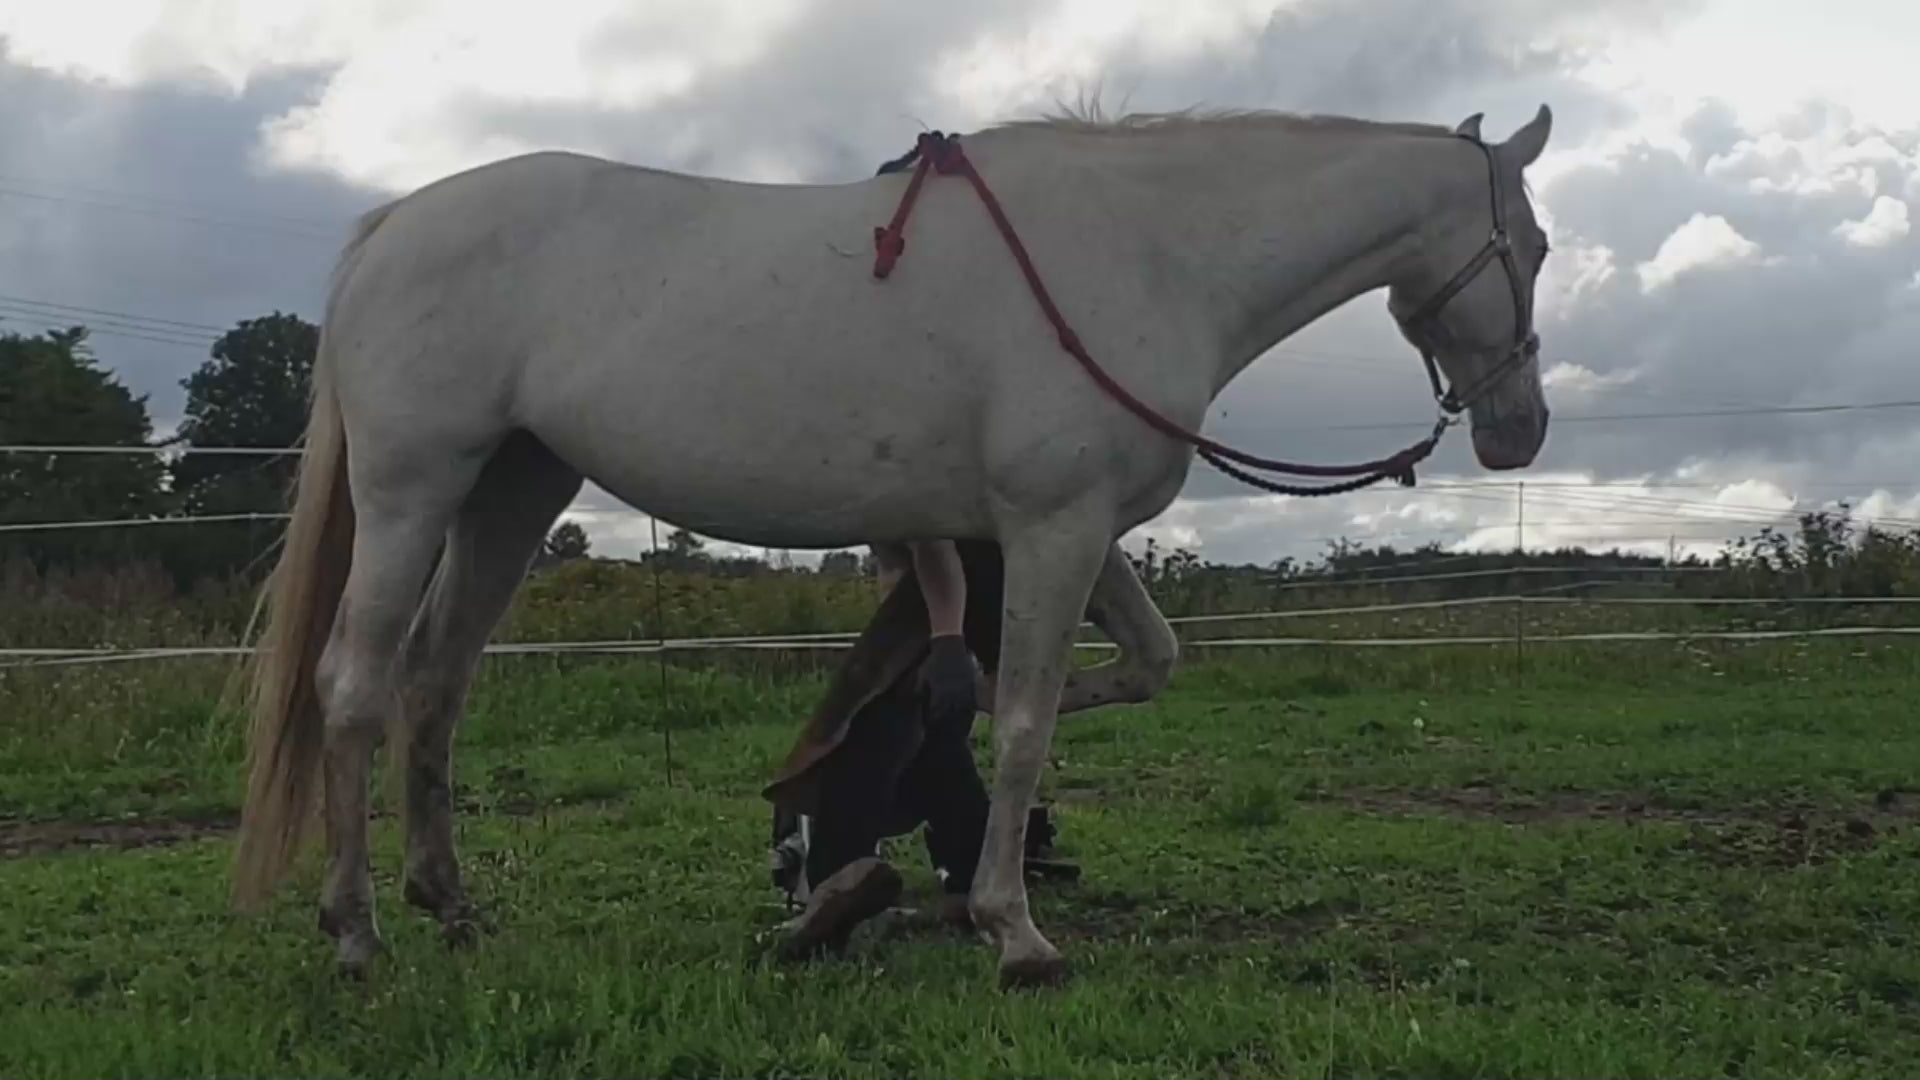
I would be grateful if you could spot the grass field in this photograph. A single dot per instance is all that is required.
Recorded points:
(1640, 860)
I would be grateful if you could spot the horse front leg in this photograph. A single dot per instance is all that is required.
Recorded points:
(1051, 567)
(1147, 647)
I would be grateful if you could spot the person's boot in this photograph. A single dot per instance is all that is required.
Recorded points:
(853, 894)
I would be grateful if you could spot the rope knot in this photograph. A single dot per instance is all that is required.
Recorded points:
(888, 245)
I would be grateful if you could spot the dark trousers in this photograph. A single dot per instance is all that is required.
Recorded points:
(875, 784)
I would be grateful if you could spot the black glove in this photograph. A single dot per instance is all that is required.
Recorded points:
(946, 683)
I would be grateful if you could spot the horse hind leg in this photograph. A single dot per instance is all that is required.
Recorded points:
(403, 505)
(493, 539)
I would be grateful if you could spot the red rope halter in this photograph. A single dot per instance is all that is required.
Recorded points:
(943, 154)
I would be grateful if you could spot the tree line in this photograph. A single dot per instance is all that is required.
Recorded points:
(250, 392)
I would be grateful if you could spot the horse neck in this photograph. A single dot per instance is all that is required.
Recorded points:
(1275, 229)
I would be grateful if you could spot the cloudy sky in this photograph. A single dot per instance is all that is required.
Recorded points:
(1729, 192)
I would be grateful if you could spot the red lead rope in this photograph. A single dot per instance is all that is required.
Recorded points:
(943, 153)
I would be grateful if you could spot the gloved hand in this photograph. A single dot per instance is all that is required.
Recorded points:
(946, 682)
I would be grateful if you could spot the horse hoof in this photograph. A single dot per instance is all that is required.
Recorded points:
(354, 947)
(464, 929)
(355, 956)
(1040, 970)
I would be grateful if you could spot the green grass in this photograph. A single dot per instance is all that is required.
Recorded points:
(1632, 861)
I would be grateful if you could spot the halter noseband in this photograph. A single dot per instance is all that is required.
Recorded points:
(1526, 343)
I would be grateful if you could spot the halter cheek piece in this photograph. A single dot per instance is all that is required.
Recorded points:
(1526, 343)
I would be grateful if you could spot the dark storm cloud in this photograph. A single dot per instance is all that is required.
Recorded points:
(842, 91)
(105, 201)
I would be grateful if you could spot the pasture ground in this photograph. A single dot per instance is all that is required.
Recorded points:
(1633, 861)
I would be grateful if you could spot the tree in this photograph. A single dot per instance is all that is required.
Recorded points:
(683, 551)
(567, 541)
(51, 393)
(253, 392)
(845, 564)
(684, 547)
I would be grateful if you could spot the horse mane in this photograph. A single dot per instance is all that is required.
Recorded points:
(1089, 119)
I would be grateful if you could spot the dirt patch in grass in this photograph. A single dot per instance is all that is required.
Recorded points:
(22, 838)
(1784, 833)
(1792, 841)
(19, 839)
(1116, 916)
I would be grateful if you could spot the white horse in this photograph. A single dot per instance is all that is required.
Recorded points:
(721, 355)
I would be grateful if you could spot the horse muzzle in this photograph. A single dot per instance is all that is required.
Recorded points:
(1513, 441)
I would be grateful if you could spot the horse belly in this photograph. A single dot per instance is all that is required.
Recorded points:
(821, 497)
(800, 452)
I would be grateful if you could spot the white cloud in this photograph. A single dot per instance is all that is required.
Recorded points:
(391, 118)
(1768, 57)
(1836, 157)
(1565, 379)
(1883, 504)
(1884, 224)
(1070, 45)
(217, 42)
(1576, 273)
(1703, 241)
(396, 110)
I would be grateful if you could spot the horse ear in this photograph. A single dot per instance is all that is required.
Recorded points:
(1470, 127)
(1526, 144)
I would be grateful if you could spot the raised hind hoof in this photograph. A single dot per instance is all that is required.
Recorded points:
(1035, 971)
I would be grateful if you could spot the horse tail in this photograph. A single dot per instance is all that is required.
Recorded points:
(288, 727)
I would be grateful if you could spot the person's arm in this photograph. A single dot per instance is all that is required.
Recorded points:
(936, 565)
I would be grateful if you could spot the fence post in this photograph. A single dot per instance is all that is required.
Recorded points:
(660, 641)
(1520, 560)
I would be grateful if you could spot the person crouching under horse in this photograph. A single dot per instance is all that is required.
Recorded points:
(889, 747)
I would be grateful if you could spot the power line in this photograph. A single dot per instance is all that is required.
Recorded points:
(1694, 414)
(44, 184)
(125, 316)
(179, 215)
(1733, 512)
(1383, 363)
(131, 335)
(108, 328)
